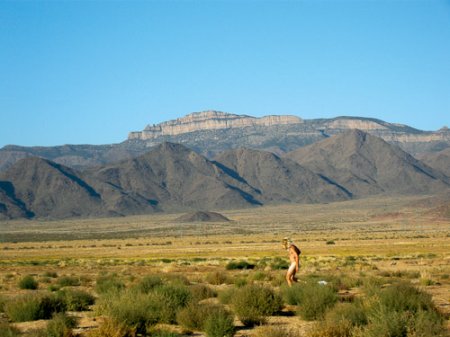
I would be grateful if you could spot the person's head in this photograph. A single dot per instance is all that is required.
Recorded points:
(287, 242)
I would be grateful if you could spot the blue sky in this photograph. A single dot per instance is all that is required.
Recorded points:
(88, 72)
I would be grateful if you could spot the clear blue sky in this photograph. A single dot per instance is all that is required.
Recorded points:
(82, 72)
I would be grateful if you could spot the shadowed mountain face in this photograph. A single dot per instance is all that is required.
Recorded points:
(10, 206)
(175, 177)
(45, 189)
(280, 180)
(367, 165)
(438, 160)
(49, 189)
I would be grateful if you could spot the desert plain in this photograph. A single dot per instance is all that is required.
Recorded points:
(382, 239)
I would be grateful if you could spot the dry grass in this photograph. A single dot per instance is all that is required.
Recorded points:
(384, 239)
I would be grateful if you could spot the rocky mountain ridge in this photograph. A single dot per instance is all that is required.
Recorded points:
(212, 132)
(209, 120)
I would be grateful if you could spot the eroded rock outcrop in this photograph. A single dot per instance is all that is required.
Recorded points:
(210, 120)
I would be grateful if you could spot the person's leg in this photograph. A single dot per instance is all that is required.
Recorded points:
(290, 274)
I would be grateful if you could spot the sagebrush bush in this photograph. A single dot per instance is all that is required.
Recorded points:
(28, 282)
(131, 310)
(76, 300)
(176, 279)
(51, 274)
(405, 297)
(111, 328)
(31, 308)
(172, 297)
(201, 291)
(60, 325)
(276, 331)
(219, 323)
(7, 330)
(148, 283)
(279, 263)
(354, 313)
(386, 322)
(315, 299)
(332, 329)
(217, 278)
(225, 296)
(292, 295)
(68, 281)
(403, 310)
(164, 333)
(252, 303)
(242, 264)
(193, 316)
(108, 283)
(2, 303)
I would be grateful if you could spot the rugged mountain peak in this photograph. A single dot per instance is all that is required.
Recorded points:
(210, 120)
(368, 165)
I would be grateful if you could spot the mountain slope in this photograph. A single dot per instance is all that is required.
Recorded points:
(438, 160)
(278, 179)
(48, 189)
(175, 177)
(10, 206)
(368, 165)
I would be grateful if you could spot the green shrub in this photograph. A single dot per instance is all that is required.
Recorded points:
(111, 328)
(354, 313)
(386, 322)
(403, 310)
(148, 283)
(193, 316)
(292, 295)
(108, 283)
(28, 282)
(177, 279)
(2, 304)
(172, 297)
(428, 324)
(7, 330)
(53, 287)
(225, 296)
(332, 329)
(219, 323)
(68, 281)
(76, 300)
(164, 333)
(60, 325)
(405, 297)
(51, 274)
(31, 308)
(216, 278)
(240, 281)
(129, 311)
(279, 263)
(314, 299)
(252, 303)
(232, 265)
(260, 276)
(200, 292)
(278, 331)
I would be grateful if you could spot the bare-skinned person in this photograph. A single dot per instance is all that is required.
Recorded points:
(294, 258)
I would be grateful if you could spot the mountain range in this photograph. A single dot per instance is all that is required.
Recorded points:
(212, 132)
(173, 177)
